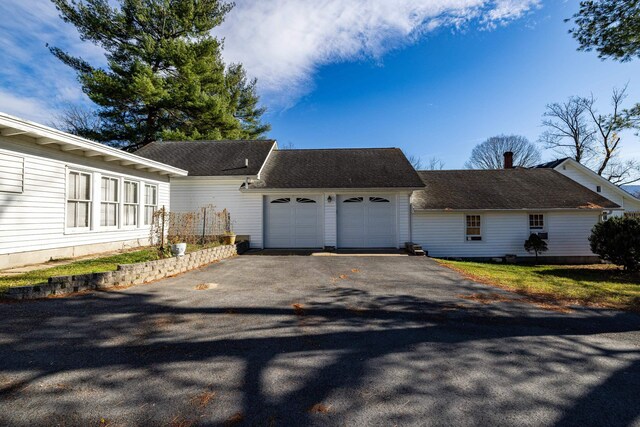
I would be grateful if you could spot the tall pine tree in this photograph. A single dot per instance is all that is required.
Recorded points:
(165, 76)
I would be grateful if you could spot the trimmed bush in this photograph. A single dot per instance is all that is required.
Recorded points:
(535, 244)
(617, 240)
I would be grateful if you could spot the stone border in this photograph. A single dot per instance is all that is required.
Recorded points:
(126, 274)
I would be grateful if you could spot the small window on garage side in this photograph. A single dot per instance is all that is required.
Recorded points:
(599, 189)
(354, 200)
(305, 200)
(536, 222)
(282, 200)
(474, 228)
(378, 200)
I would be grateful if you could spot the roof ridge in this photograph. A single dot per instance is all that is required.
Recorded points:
(339, 149)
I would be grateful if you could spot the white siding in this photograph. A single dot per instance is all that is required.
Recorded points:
(403, 207)
(189, 194)
(330, 220)
(443, 233)
(592, 182)
(35, 219)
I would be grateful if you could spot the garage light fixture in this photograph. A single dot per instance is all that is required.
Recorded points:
(329, 199)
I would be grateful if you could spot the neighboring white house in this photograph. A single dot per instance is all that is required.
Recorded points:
(345, 198)
(588, 178)
(64, 196)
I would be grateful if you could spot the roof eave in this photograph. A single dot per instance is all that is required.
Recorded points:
(43, 135)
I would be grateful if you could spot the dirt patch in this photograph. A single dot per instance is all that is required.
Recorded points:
(234, 419)
(319, 408)
(205, 286)
(491, 298)
(355, 270)
(343, 276)
(298, 309)
(203, 399)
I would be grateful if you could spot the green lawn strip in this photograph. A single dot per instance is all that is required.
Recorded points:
(600, 285)
(96, 265)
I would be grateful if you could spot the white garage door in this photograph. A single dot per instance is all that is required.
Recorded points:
(366, 222)
(293, 222)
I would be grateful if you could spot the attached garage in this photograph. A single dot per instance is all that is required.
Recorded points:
(293, 222)
(367, 222)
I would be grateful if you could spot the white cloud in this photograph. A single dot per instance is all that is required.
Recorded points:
(283, 42)
(25, 107)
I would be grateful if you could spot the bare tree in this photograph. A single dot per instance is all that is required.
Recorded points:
(490, 153)
(434, 163)
(78, 121)
(415, 161)
(576, 129)
(568, 130)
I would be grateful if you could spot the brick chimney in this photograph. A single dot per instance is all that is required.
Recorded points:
(508, 160)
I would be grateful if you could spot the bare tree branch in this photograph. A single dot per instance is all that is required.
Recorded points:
(568, 132)
(490, 153)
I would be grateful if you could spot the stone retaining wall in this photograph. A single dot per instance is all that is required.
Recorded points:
(127, 274)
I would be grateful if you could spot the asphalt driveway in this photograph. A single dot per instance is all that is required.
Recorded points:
(307, 340)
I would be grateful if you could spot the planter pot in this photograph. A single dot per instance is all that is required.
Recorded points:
(229, 240)
(178, 249)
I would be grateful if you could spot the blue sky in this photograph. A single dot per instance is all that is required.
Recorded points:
(433, 77)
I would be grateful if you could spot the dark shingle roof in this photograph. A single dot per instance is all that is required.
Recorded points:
(210, 158)
(552, 164)
(339, 168)
(505, 189)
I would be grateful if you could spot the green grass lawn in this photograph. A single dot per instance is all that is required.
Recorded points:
(598, 284)
(96, 265)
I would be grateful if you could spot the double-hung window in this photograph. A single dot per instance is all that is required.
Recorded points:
(150, 203)
(109, 202)
(130, 204)
(78, 200)
(474, 228)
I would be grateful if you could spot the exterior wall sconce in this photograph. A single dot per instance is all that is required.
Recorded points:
(329, 199)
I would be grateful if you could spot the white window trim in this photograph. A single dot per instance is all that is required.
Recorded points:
(537, 229)
(78, 230)
(481, 235)
(136, 204)
(145, 205)
(118, 203)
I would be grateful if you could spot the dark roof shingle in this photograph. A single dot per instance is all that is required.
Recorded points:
(210, 158)
(504, 189)
(338, 168)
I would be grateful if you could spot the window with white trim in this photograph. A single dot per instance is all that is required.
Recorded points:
(109, 201)
(150, 202)
(354, 200)
(473, 229)
(130, 205)
(536, 222)
(378, 200)
(304, 200)
(282, 200)
(78, 200)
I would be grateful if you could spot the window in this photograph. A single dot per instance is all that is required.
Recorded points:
(354, 200)
(78, 200)
(109, 202)
(473, 231)
(536, 222)
(305, 200)
(130, 212)
(282, 200)
(599, 189)
(378, 200)
(150, 202)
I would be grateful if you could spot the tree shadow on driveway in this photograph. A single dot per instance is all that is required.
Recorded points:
(344, 357)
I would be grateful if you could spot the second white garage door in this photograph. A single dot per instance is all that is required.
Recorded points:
(293, 222)
(366, 222)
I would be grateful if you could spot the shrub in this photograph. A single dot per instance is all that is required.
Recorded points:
(535, 244)
(617, 240)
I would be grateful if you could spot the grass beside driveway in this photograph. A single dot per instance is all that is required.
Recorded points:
(597, 285)
(95, 265)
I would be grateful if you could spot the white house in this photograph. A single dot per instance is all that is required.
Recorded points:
(345, 198)
(490, 213)
(588, 178)
(63, 196)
